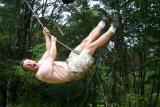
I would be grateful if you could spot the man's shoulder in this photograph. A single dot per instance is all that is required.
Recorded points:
(45, 65)
(43, 61)
(48, 59)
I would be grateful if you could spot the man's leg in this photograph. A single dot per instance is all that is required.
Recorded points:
(96, 32)
(105, 38)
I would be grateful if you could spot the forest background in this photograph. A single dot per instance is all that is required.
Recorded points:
(126, 71)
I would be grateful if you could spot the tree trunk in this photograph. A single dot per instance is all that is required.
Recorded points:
(8, 95)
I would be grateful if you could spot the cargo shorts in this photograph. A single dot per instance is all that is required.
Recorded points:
(79, 63)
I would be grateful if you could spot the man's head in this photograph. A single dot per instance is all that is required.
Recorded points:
(29, 65)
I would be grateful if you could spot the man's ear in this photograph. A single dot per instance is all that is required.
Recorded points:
(67, 1)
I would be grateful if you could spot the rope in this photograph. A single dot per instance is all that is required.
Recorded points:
(43, 26)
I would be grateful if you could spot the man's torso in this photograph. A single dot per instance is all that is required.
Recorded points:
(56, 72)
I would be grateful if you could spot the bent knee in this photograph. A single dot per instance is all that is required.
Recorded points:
(85, 43)
(90, 49)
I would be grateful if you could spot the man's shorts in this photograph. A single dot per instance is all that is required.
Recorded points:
(79, 64)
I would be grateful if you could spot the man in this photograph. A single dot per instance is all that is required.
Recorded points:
(77, 65)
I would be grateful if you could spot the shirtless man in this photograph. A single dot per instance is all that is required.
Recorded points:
(77, 65)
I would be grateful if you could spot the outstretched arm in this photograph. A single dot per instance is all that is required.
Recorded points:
(53, 49)
(47, 38)
(48, 43)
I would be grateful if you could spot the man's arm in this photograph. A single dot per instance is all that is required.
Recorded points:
(53, 49)
(47, 38)
(48, 43)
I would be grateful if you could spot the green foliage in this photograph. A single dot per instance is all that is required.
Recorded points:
(38, 51)
(4, 44)
(128, 73)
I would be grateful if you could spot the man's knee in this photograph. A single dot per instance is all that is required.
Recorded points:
(90, 49)
(85, 43)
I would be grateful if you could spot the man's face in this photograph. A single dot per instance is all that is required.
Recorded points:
(30, 65)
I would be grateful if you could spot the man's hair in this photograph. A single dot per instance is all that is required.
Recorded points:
(21, 64)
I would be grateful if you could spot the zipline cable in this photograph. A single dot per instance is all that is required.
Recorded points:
(43, 25)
